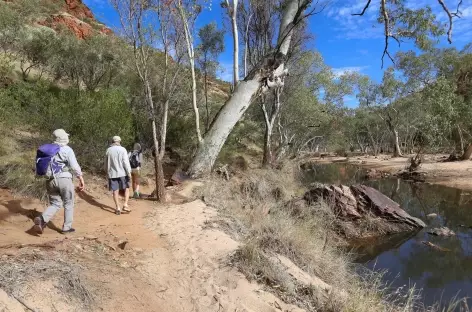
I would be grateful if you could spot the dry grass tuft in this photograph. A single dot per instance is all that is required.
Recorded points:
(18, 273)
(262, 200)
(17, 173)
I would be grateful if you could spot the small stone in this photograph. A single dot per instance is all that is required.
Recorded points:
(442, 231)
(122, 245)
(432, 215)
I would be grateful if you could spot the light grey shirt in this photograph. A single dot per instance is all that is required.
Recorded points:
(117, 162)
(66, 157)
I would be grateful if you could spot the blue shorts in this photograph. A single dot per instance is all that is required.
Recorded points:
(120, 183)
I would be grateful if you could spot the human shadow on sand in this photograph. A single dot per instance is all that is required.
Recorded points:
(92, 201)
(15, 207)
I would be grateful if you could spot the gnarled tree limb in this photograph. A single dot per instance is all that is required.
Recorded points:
(450, 17)
(365, 9)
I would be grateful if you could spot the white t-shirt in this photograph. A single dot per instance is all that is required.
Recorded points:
(117, 162)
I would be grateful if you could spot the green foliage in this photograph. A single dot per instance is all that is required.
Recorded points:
(93, 63)
(36, 47)
(211, 45)
(91, 118)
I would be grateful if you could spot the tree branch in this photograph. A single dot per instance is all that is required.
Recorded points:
(365, 9)
(450, 17)
(387, 32)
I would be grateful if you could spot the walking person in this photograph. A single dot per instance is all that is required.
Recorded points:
(136, 161)
(119, 171)
(57, 163)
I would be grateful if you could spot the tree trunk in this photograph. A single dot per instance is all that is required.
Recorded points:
(240, 100)
(235, 43)
(397, 151)
(207, 120)
(221, 127)
(191, 56)
(467, 153)
(461, 139)
(360, 144)
(375, 149)
(158, 171)
(267, 158)
(246, 45)
(269, 126)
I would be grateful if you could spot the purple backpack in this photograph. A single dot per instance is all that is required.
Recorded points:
(44, 159)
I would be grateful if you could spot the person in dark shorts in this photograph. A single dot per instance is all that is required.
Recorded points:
(136, 161)
(119, 170)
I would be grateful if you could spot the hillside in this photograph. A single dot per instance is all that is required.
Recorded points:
(72, 15)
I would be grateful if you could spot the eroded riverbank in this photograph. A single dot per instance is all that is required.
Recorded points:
(443, 273)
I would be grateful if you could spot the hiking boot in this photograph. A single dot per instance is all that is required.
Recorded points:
(136, 195)
(39, 224)
(117, 212)
(71, 230)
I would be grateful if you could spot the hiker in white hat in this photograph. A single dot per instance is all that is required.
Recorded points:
(57, 163)
(119, 170)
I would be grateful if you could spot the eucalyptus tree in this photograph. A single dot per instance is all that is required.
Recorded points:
(399, 22)
(144, 25)
(441, 77)
(210, 47)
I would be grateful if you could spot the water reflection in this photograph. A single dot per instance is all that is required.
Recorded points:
(441, 274)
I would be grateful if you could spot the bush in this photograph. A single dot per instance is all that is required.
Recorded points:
(341, 152)
(91, 118)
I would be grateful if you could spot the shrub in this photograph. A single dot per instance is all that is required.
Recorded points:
(91, 118)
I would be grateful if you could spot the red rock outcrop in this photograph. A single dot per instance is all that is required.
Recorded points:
(75, 16)
(78, 9)
(80, 29)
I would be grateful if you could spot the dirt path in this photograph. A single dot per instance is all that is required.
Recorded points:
(171, 261)
(454, 174)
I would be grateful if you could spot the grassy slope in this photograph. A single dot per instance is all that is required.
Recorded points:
(255, 203)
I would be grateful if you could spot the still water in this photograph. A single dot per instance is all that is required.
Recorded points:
(442, 275)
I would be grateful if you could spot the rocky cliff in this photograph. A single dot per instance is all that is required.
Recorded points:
(72, 15)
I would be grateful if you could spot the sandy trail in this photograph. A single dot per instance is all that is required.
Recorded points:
(173, 261)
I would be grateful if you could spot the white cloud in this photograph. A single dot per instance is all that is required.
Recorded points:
(338, 72)
(467, 12)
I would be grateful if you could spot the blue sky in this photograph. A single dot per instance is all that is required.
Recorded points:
(347, 43)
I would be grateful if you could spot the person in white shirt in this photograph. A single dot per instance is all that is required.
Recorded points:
(119, 171)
